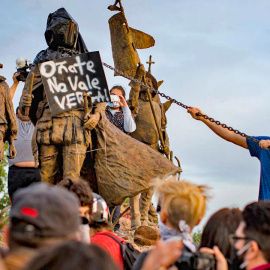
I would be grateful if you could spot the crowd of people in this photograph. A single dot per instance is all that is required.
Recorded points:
(67, 226)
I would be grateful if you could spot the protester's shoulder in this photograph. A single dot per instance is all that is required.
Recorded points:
(261, 137)
(113, 235)
(252, 144)
(254, 148)
(105, 236)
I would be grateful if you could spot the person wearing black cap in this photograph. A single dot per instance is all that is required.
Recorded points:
(41, 215)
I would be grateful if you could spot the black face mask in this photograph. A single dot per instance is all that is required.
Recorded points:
(238, 261)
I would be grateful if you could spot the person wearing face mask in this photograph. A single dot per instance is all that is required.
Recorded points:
(251, 240)
(181, 207)
(119, 114)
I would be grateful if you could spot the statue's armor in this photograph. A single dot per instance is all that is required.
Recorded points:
(60, 141)
(146, 130)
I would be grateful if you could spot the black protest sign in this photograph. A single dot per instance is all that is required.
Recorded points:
(67, 79)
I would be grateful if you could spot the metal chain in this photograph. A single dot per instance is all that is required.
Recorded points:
(180, 103)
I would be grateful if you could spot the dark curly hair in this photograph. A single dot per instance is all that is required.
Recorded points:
(81, 189)
(257, 225)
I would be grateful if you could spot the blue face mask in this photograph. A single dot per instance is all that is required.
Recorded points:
(113, 104)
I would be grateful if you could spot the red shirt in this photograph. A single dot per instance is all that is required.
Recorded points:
(262, 267)
(110, 245)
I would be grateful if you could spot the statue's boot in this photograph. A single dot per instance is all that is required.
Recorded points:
(134, 203)
(145, 203)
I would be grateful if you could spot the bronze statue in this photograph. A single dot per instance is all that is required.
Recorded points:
(145, 105)
(123, 166)
(61, 141)
(149, 114)
(8, 122)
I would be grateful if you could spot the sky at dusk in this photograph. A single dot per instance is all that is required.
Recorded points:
(211, 54)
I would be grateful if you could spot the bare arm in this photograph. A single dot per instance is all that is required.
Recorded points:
(13, 88)
(219, 130)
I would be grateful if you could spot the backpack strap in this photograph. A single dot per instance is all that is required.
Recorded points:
(114, 238)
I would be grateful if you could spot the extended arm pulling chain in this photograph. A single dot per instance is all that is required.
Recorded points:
(180, 103)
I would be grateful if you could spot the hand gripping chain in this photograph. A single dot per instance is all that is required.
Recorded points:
(180, 103)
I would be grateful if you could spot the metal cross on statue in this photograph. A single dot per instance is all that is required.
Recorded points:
(150, 63)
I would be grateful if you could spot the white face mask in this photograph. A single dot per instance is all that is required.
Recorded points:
(113, 104)
(241, 253)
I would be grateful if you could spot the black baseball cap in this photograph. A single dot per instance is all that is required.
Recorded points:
(43, 210)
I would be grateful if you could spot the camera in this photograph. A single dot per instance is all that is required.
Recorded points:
(195, 261)
(114, 99)
(23, 68)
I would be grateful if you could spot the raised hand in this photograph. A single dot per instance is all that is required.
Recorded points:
(265, 144)
(193, 112)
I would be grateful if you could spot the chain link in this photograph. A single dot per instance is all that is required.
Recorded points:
(180, 103)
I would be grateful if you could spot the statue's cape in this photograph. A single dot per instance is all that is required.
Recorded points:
(124, 44)
(124, 166)
(10, 117)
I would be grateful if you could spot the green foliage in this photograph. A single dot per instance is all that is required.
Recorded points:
(197, 236)
(4, 198)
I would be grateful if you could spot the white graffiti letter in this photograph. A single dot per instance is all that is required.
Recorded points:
(73, 86)
(52, 83)
(62, 67)
(60, 104)
(82, 86)
(89, 66)
(47, 69)
(95, 83)
(71, 100)
(79, 96)
(80, 64)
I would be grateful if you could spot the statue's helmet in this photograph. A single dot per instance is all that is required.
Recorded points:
(62, 30)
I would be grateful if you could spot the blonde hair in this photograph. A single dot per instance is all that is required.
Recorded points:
(182, 200)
